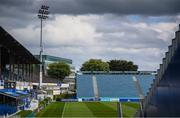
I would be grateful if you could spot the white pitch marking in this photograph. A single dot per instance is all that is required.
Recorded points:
(63, 110)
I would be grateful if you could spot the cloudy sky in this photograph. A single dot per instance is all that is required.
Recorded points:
(136, 30)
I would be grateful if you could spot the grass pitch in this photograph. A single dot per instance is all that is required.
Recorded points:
(53, 110)
(24, 113)
(86, 109)
(129, 109)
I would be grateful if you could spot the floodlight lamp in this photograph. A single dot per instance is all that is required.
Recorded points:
(46, 12)
(39, 15)
(40, 11)
(44, 7)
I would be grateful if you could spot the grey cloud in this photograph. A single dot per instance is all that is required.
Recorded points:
(16, 2)
(126, 7)
(122, 33)
(16, 13)
(144, 40)
(112, 18)
(142, 7)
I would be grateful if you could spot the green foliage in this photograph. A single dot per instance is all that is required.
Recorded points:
(55, 97)
(49, 99)
(44, 102)
(122, 65)
(59, 70)
(95, 65)
(49, 92)
(65, 96)
(24, 113)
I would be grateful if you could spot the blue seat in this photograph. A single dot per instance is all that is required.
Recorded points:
(7, 109)
(112, 85)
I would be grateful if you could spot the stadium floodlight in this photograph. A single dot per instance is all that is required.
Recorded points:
(42, 15)
(140, 93)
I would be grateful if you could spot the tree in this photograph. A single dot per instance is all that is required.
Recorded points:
(59, 70)
(95, 65)
(122, 65)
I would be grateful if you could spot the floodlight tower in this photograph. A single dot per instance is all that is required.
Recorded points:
(42, 15)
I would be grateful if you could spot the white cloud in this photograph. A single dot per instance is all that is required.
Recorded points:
(70, 30)
(104, 36)
(165, 30)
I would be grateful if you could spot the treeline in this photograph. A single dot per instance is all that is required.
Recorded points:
(112, 65)
(60, 70)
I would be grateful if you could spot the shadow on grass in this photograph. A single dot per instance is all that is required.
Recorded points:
(101, 110)
(52, 110)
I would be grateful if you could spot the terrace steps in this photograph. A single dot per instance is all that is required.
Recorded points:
(167, 61)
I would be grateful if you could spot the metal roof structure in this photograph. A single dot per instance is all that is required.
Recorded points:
(14, 93)
(54, 59)
(21, 54)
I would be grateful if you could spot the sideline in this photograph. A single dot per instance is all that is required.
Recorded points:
(121, 110)
(63, 110)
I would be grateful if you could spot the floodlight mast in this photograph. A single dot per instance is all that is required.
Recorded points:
(42, 15)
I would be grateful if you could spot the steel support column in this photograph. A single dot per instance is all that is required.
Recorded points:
(18, 70)
(22, 71)
(0, 64)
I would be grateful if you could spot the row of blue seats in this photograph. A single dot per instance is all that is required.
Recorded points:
(112, 85)
(7, 109)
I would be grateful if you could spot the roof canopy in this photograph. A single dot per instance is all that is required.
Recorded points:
(13, 93)
(21, 54)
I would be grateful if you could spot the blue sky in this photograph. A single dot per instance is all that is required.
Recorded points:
(134, 30)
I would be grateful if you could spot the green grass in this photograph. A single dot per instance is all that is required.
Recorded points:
(53, 110)
(129, 109)
(87, 109)
(24, 113)
(77, 109)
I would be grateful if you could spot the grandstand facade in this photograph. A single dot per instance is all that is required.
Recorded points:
(16, 65)
(163, 97)
(16, 62)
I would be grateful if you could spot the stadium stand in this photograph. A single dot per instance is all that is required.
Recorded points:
(16, 64)
(7, 109)
(163, 97)
(112, 85)
(15, 59)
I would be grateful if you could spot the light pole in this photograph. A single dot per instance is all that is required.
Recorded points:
(42, 15)
(140, 93)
